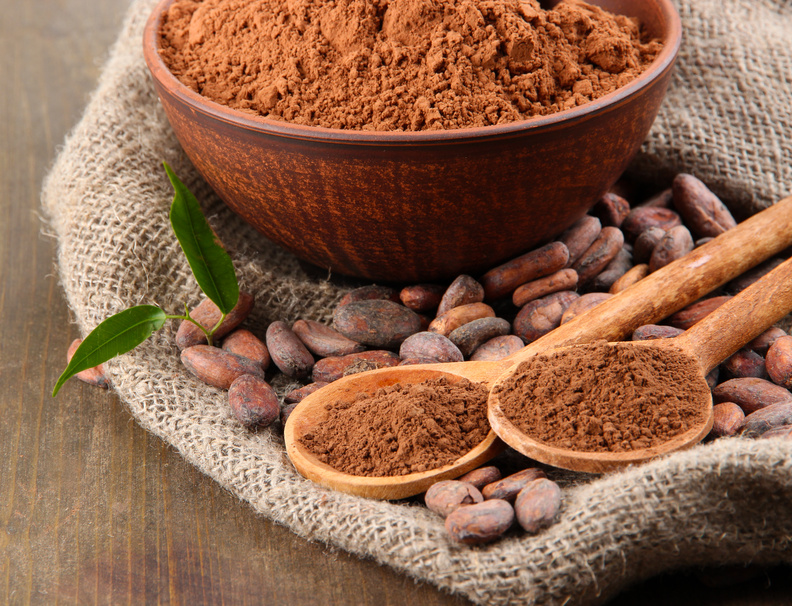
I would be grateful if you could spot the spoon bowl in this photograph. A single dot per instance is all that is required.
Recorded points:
(508, 426)
(313, 412)
(705, 345)
(655, 297)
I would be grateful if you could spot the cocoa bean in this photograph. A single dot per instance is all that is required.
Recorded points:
(752, 275)
(728, 418)
(697, 311)
(253, 401)
(583, 304)
(430, 347)
(619, 266)
(299, 394)
(701, 209)
(779, 361)
(287, 351)
(623, 260)
(507, 488)
(745, 363)
(469, 337)
(244, 343)
(702, 241)
(414, 361)
(655, 331)
(458, 316)
(598, 255)
(328, 370)
(207, 314)
(480, 523)
(675, 244)
(645, 243)
(751, 394)
(664, 199)
(642, 218)
(537, 505)
(565, 279)
(370, 292)
(712, 377)
(611, 209)
(765, 419)
(93, 376)
(498, 348)
(482, 476)
(580, 236)
(763, 342)
(324, 341)
(463, 290)
(217, 367)
(633, 276)
(630, 260)
(376, 323)
(779, 432)
(286, 411)
(422, 297)
(541, 316)
(447, 496)
(504, 279)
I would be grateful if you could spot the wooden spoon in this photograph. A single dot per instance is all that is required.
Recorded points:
(655, 297)
(706, 344)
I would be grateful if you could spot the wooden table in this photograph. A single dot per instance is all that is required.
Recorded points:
(92, 508)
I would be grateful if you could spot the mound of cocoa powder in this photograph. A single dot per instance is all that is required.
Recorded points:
(401, 64)
(403, 428)
(601, 397)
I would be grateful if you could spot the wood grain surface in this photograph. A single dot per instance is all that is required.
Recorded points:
(94, 510)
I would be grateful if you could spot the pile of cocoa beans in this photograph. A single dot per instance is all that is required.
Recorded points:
(480, 506)
(495, 314)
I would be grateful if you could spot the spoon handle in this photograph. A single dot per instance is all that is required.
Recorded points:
(676, 285)
(740, 319)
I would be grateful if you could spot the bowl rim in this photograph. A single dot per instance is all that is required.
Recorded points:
(198, 103)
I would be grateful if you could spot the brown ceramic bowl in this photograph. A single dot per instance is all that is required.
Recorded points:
(418, 206)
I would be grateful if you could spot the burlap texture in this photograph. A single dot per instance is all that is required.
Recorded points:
(727, 119)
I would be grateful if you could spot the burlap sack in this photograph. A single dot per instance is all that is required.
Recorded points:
(727, 119)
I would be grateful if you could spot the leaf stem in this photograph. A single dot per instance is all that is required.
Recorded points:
(216, 326)
(189, 318)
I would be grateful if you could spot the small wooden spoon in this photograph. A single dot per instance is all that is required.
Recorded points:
(706, 344)
(655, 297)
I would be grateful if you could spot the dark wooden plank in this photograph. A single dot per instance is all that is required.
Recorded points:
(93, 509)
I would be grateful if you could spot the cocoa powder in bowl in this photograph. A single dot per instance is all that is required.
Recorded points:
(605, 397)
(402, 429)
(401, 64)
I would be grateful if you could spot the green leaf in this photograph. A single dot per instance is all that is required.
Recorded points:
(208, 260)
(116, 335)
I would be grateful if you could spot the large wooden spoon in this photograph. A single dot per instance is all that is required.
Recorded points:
(705, 345)
(655, 297)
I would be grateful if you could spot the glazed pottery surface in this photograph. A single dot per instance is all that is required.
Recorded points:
(418, 206)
